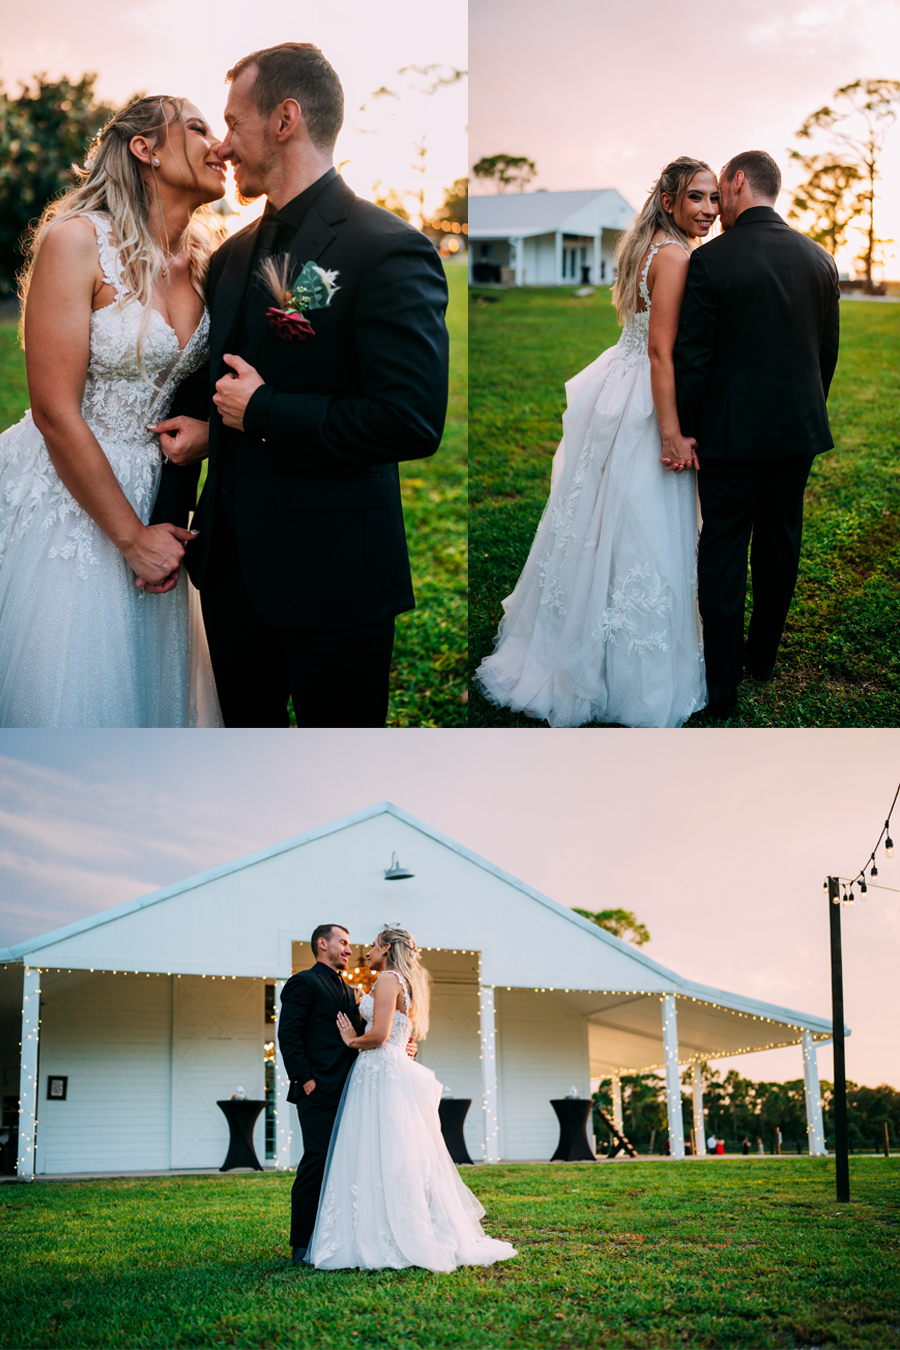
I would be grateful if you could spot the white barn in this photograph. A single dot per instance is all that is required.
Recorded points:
(546, 238)
(155, 1009)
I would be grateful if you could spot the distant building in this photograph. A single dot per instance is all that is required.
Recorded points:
(546, 238)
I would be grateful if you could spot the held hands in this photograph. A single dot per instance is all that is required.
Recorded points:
(345, 1028)
(233, 392)
(182, 439)
(155, 556)
(411, 1048)
(679, 453)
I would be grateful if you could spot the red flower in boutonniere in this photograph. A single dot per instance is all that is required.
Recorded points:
(313, 289)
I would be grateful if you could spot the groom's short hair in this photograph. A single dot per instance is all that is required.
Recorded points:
(324, 931)
(760, 171)
(297, 70)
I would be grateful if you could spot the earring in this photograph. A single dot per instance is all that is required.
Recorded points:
(156, 161)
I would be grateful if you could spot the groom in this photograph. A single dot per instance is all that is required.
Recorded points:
(301, 558)
(756, 349)
(317, 1062)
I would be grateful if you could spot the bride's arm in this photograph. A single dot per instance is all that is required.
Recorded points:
(57, 352)
(666, 291)
(384, 995)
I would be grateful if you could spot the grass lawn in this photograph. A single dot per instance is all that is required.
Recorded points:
(839, 663)
(429, 668)
(751, 1253)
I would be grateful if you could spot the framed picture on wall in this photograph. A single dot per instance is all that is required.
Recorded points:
(56, 1089)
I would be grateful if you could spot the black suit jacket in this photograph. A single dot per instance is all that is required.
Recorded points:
(310, 1043)
(757, 342)
(316, 509)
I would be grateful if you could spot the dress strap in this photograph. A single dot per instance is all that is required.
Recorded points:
(109, 254)
(654, 249)
(403, 986)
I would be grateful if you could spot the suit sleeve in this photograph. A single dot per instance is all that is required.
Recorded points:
(400, 340)
(695, 344)
(831, 329)
(296, 1000)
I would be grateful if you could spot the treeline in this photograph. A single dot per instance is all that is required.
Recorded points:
(738, 1108)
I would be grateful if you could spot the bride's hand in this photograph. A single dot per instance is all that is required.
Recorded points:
(346, 1028)
(156, 552)
(679, 453)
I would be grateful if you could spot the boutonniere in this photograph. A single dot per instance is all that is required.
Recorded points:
(313, 289)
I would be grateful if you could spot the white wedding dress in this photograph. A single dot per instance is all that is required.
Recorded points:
(391, 1195)
(603, 624)
(80, 644)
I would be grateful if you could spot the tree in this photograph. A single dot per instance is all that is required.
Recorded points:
(455, 206)
(42, 133)
(391, 200)
(826, 196)
(860, 120)
(620, 922)
(506, 171)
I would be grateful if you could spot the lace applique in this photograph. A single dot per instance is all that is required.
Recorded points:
(632, 345)
(642, 593)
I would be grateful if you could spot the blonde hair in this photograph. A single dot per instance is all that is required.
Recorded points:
(634, 242)
(403, 957)
(114, 186)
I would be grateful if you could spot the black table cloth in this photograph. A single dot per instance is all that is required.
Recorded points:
(452, 1111)
(573, 1114)
(241, 1114)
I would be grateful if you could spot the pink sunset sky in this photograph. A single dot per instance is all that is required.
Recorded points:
(719, 842)
(603, 95)
(168, 46)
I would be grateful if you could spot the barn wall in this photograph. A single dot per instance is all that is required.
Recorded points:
(542, 1051)
(452, 1049)
(112, 1037)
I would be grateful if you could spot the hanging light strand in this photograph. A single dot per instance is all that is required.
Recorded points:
(860, 880)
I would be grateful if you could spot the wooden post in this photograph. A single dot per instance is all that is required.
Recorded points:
(283, 1130)
(489, 1074)
(841, 1158)
(699, 1122)
(887, 1141)
(673, 1082)
(813, 1094)
(28, 1073)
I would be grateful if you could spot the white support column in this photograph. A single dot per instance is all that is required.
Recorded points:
(28, 1073)
(813, 1095)
(598, 251)
(519, 245)
(283, 1124)
(699, 1123)
(489, 1075)
(673, 1084)
(617, 1101)
(559, 257)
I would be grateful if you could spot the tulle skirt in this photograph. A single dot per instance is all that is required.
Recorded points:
(80, 645)
(391, 1195)
(603, 624)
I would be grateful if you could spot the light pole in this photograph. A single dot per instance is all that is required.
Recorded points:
(841, 1160)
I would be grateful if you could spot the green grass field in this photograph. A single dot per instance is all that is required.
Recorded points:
(730, 1253)
(840, 657)
(429, 669)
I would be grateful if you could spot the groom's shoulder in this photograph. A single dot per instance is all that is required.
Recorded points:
(382, 226)
(298, 981)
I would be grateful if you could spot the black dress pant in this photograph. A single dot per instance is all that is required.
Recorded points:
(317, 1113)
(740, 499)
(337, 677)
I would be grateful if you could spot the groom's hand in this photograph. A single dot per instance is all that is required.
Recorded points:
(233, 392)
(310, 1086)
(411, 1048)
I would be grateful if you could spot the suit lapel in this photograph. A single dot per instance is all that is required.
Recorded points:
(329, 985)
(228, 296)
(310, 241)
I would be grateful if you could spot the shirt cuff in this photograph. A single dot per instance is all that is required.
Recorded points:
(256, 413)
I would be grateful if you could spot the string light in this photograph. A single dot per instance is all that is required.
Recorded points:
(873, 871)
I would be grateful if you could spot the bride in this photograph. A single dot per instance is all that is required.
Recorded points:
(391, 1194)
(97, 626)
(603, 623)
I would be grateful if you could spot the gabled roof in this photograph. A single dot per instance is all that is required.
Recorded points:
(532, 213)
(647, 973)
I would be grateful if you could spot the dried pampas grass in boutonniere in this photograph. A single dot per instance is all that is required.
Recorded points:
(313, 289)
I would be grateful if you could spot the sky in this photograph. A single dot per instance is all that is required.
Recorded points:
(601, 94)
(173, 47)
(719, 842)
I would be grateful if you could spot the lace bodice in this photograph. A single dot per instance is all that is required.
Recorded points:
(632, 345)
(400, 1027)
(118, 405)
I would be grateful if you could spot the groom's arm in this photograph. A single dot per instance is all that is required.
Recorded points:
(831, 332)
(694, 345)
(401, 346)
(296, 1000)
